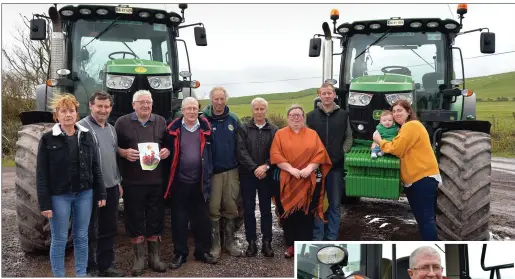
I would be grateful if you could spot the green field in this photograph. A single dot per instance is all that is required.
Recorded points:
(500, 114)
(500, 85)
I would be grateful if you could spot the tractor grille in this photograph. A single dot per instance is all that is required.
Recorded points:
(123, 99)
(364, 115)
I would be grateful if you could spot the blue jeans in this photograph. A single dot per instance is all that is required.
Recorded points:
(422, 200)
(376, 149)
(334, 188)
(79, 206)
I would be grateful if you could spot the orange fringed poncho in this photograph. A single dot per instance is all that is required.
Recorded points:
(299, 150)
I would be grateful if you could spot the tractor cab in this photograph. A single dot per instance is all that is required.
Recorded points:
(391, 261)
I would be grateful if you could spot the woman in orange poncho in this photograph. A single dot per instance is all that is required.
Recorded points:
(298, 152)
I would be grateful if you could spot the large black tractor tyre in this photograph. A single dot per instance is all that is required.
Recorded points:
(33, 228)
(463, 200)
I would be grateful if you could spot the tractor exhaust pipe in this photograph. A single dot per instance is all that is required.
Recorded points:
(327, 55)
(57, 52)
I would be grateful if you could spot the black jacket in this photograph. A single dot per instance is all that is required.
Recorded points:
(254, 146)
(53, 172)
(334, 130)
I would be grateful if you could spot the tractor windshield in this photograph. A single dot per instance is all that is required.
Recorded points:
(124, 39)
(419, 55)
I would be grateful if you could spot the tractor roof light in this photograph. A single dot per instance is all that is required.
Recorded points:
(451, 26)
(159, 15)
(175, 18)
(375, 26)
(102, 12)
(67, 12)
(415, 24)
(343, 29)
(359, 27)
(462, 9)
(85, 11)
(335, 14)
(432, 24)
(144, 14)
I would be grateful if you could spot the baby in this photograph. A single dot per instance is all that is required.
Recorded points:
(387, 128)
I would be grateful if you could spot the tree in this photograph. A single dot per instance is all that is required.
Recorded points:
(26, 66)
(26, 59)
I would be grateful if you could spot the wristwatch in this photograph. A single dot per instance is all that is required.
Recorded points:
(267, 166)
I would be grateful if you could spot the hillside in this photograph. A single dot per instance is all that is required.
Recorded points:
(493, 86)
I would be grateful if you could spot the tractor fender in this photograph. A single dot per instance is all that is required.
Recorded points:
(469, 106)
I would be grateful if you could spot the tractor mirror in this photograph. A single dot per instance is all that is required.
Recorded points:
(487, 42)
(200, 36)
(38, 29)
(315, 46)
(417, 86)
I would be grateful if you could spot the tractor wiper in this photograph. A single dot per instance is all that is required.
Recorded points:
(103, 32)
(423, 59)
(376, 41)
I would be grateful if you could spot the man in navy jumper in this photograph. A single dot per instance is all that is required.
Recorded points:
(226, 184)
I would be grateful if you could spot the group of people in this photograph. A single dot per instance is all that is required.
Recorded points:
(206, 162)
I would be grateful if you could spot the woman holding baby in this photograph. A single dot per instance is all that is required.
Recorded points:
(419, 168)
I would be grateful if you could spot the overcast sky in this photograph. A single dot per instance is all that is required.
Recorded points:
(264, 43)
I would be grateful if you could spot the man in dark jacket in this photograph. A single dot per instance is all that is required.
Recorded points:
(143, 189)
(226, 186)
(332, 126)
(189, 185)
(254, 141)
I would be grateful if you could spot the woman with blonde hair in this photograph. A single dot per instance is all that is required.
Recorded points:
(68, 178)
(300, 155)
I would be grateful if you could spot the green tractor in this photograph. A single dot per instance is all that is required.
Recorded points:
(118, 49)
(414, 59)
(391, 261)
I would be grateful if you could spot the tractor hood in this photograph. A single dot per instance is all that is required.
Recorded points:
(382, 83)
(137, 67)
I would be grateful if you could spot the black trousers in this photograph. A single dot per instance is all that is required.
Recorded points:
(143, 210)
(188, 204)
(249, 185)
(298, 227)
(102, 231)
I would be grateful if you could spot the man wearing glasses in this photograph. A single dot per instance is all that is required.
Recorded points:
(425, 263)
(189, 185)
(143, 189)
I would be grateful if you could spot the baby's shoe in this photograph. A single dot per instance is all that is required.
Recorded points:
(380, 153)
(373, 155)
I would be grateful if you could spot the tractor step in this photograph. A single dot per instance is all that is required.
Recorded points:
(371, 178)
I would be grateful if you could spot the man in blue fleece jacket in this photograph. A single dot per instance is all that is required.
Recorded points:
(225, 181)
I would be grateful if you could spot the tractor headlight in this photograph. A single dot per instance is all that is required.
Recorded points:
(392, 98)
(360, 99)
(160, 82)
(119, 82)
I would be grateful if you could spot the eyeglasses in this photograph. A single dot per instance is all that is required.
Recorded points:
(296, 115)
(144, 102)
(191, 109)
(428, 268)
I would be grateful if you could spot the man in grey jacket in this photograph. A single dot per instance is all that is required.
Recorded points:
(102, 226)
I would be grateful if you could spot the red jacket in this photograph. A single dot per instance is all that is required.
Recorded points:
(174, 130)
